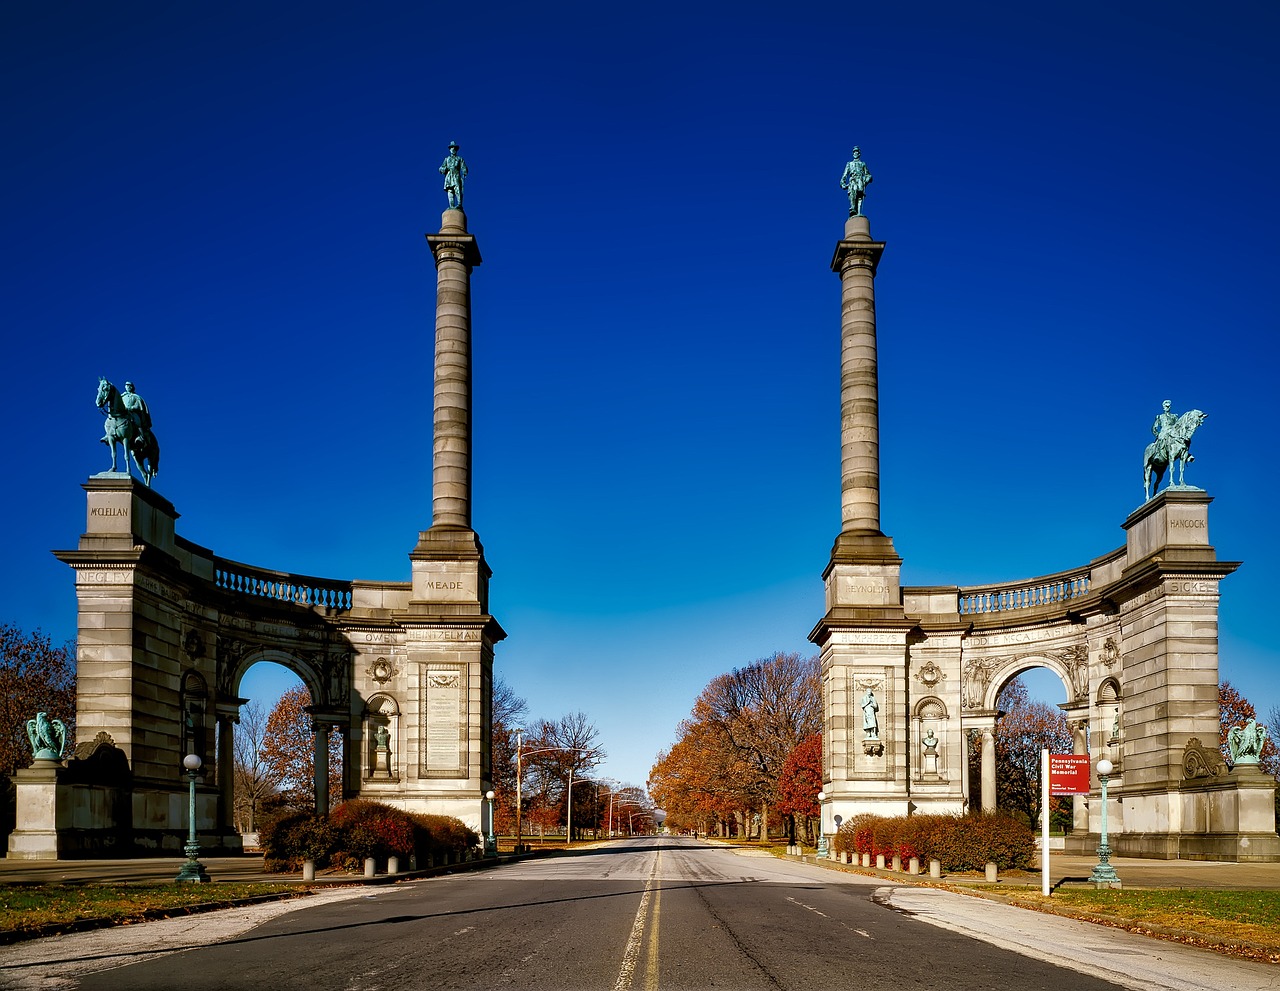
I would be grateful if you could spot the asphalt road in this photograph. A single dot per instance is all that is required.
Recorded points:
(660, 913)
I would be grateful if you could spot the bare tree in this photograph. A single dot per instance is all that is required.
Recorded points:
(255, 779)
(509, 714)
(571, 750)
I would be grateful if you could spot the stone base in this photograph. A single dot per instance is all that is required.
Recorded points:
(1228, 847)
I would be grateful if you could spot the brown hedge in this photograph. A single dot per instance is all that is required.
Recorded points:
(961, 843)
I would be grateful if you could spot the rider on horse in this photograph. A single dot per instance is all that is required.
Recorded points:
(1164, 422)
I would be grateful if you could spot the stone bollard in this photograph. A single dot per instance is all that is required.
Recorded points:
(897, 862)
(370, 867)
(913, 865)
(308, 870)
(879, 861)
(866, 860)
(935, 869)
(993, 873)
(393, 865)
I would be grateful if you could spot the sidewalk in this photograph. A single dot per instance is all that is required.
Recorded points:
(1064, 870)
(153, 870)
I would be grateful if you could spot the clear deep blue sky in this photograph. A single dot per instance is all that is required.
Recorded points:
(226, 204)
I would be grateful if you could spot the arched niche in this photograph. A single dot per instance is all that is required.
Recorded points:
(929, 736)
(193, 709)
(381, 739)
(1110, 708)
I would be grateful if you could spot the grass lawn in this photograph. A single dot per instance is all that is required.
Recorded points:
(1244, 923)
(34, 907)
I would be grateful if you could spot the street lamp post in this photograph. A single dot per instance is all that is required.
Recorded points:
(491, 841)
(822, 834)
(1104, 875)
(520, 755)
(192, 870)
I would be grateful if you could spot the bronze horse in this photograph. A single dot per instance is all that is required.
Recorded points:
(123, 429)
(1176, 447)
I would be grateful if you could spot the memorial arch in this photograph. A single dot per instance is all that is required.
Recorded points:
(403, 671)
(911, 673)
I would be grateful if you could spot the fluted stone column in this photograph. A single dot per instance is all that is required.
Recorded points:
(988, 771)
(456, 255)
(855, 260)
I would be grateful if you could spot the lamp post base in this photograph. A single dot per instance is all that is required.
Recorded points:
(193, 870)
(1104, 875)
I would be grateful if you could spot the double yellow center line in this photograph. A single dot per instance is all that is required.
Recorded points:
(636, 942)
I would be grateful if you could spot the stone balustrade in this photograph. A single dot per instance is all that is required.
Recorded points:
(304, 590)
(1030, 593)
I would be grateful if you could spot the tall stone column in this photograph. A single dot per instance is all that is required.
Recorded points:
(855, 260)
(456, 255)
(863, 636)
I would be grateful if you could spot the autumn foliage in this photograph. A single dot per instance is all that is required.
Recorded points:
(359, 829)
(288, 750)
(729, 762)
(1236, 710)
(35, 676)
(960, 843)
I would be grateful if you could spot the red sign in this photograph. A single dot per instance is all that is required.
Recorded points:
(1068, 774)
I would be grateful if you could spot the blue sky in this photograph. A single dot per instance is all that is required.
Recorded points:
(226, 204)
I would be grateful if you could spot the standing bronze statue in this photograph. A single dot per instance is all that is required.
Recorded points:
(856, 179)
(454, 171)
(129, 425)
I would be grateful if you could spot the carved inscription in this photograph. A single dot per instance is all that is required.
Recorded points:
(108, 511)
(451, 635)
(1192, 587)
(445, 709)
(860, 638)
(104, 577)
(1188, 524)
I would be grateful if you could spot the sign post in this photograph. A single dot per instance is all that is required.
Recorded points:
(1060, 774)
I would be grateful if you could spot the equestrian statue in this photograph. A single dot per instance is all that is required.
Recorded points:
(1172, 443)
(129, 425)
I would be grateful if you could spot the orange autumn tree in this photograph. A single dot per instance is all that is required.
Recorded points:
(288, 750)
(731, 749)
(1236, 710)
(799, 785)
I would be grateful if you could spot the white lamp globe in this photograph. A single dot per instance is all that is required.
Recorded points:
(191, 762)
(489, 795)
(1105, 767)
(822, 796)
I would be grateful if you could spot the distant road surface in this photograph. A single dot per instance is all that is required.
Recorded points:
(653, 913)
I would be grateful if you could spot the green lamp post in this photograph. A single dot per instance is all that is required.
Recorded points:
(1104, 875)
(192, 869)
(491, 841)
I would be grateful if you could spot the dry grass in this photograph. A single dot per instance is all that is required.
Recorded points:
(46, 907)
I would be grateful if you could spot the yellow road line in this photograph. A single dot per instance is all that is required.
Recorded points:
(651, 969)
(631, 956)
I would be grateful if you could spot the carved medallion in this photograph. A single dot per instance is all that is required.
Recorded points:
(930, 674)
(382, 670)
